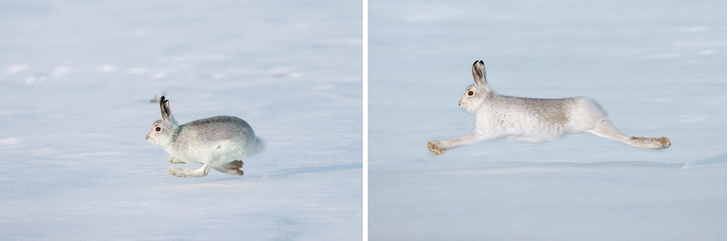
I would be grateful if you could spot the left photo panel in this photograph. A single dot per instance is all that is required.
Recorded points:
(165, 120)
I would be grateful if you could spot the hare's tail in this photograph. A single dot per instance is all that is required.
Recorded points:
(259, 146)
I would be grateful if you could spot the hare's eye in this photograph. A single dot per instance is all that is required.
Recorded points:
(157, 129)
(470, 93)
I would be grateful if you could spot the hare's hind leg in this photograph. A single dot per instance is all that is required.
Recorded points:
(232, 168)
(606, 130)
(188, 172)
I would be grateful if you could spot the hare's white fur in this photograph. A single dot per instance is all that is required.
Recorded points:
(533, 120)
(217, 142)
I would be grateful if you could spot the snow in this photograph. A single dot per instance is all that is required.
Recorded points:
(657, 67)
(78, 82)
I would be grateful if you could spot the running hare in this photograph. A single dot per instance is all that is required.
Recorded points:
(217, 142)
(533, 120)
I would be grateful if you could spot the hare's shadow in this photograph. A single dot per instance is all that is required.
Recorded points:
(307, 170)
(299, 171)
(605, 165)
(281, 173)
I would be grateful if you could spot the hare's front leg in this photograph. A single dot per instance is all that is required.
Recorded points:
(189, 172)
(174, 160)
(439, 147)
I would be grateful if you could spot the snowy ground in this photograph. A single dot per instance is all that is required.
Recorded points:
(76, 80)
(658, 67)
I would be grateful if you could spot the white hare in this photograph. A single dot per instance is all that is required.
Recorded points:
(217, 142)
(533, 120)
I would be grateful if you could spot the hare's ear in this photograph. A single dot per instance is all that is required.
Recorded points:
(479, 72)
(164, 106)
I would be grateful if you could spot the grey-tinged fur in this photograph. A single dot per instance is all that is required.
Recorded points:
(534, 120)
(217, 142)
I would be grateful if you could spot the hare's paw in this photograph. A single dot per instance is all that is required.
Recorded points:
(661, 143)
(185, 172)
(232, 168)
(174, 160)
(435, 147)
(664, 142)
(235, 171)
(176, 171)
(651, 143)
(234, 164)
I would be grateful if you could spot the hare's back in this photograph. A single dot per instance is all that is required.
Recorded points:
(573, 114)
(220, 128)
(548, 110)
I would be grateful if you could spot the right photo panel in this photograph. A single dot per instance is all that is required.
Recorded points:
(547, 120)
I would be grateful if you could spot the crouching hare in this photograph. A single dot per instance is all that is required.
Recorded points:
(533, 120)
(218, 142)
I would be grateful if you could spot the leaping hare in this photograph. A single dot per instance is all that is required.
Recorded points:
(217, 142)
(533, 120)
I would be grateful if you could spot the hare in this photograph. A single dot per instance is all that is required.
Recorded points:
(217, 142)
(533, 120)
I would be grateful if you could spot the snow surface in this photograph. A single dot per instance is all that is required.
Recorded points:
(77, 82)
(658, 67)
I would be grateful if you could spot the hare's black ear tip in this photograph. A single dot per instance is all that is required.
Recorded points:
(162, 99)
(476, 62)
(481, 62)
